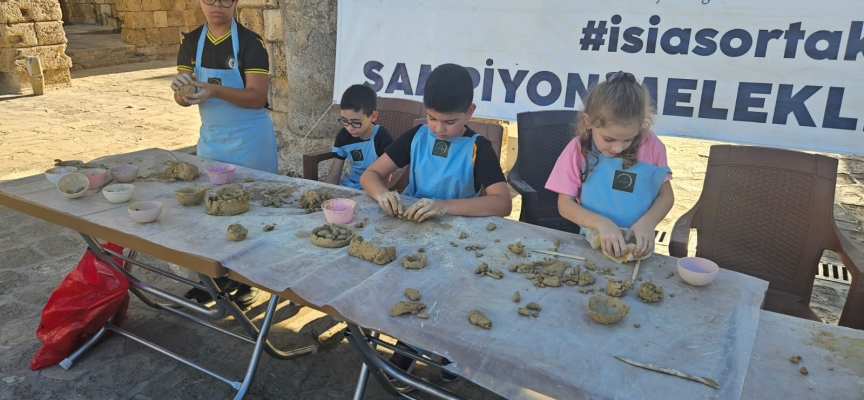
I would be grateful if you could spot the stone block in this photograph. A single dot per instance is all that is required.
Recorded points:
(175, 18)
(137, 37)
(129, 5)
(7, 60)
(167, 5)
(180, 5)
(170, 35)
(190, 18)
(18, 35)
(252, 19)
(151, 5)
(160, 19)
(279, 95)
(153, 35)
(158, 50)
(105, 10)
(273, 31)
(278, 62)
(259, 4)
(51, 57)
(48, 33)
(17, 11)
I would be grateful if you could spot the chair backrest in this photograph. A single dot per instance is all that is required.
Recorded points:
(767, 213)
(542, 137)
(398, 115)
(493, 132)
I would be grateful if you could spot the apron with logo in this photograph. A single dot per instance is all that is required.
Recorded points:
(360, 155)
(446, 167)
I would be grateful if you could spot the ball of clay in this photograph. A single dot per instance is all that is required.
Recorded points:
(236, 232)
(607, 310)
(186, 89)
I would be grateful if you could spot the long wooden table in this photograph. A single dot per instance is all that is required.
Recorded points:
(562, 353)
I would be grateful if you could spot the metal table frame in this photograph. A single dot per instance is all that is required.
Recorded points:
(198, 314)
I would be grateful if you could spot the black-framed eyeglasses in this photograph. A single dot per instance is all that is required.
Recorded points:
(222, 3)
(354, 124)
(614, 76)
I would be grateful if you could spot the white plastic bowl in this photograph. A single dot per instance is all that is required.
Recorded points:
(145, 211)
(124, 173)
(697, 271)
(54, 174)
(119, 193)
(73, 185)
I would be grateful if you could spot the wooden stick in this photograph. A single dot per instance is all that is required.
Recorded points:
(704, 381)
(37, 79)
(635, 270)
(554, 253)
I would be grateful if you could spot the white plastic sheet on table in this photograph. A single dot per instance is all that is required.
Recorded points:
(707, 331)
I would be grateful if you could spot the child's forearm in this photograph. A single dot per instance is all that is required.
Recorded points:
(484, 206)
(246, 97)
(573, 211)
(661, 206)
(372, 183)
(334, 174)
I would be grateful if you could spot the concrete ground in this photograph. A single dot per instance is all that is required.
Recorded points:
(125, 108)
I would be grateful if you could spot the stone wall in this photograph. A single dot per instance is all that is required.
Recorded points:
(156, 26)
(31, 28)
(99, 12)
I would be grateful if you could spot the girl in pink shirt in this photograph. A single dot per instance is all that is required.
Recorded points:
(614, 173)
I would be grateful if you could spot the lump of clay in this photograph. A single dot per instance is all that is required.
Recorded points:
(483, 269)
(463, 236)
(584, 278)
(593, 238)
(269, 227)
(414, 261)
(311, 200)
(649, 293)
(412, 294)
(524, 311)
(490, 226)
(185, 89)
(534, 306)
(176, 170)
(360, 225)
(618, 288)
(236, 232)
(517, 248)
(332, 236)
(229, 200)
(405, 307)
(516, 297)
(607, 310)
(477, 318)
(365, 251)
(423, 315)
(274, 197)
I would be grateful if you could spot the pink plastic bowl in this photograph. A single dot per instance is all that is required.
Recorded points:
(221, 174)
(95, 175)
(339, 211)
(697, 271)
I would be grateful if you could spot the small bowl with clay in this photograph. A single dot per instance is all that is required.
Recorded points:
(118, 193)
(221, 174)
(339, 211)
(145, 211)
(73, 185)
(95, 175)
(54, 174)
(124, 173)
(697, 271)
(190, 196)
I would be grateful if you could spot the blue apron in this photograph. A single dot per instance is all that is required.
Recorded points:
(441, 169)
(360, 156)
(230, 133)
(618, 194)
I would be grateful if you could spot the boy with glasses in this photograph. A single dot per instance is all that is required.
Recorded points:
(223, 67)
(361, 141)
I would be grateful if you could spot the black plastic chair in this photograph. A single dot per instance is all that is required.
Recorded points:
(542, 137)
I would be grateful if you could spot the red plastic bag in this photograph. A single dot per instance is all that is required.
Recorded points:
(79, 307)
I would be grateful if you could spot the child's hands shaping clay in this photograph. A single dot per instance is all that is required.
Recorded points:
(611, 239)
(390, 202)
(644, 238)
(205, 90)
(425, 208)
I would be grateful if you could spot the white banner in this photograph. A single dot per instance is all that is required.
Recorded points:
(776, 73)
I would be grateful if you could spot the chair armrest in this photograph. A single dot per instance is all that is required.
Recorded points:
(311, 161)
(529, 197)
(681, 233)
(853, 260)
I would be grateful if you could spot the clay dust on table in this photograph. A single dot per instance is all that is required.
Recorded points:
(365, 251)
(228, 200)
(332, 236)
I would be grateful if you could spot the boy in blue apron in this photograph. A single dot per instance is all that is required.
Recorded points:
(361, 141)
(614, 173)
(451, 166)
(228, 66)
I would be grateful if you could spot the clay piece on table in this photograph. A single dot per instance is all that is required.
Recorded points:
(523, 311)
(590, 265)
(269, 227)
(275, 197)
(535, 314)
(463, 236)
(421, 250)
(804, 371)
(474, 247)
(637, 326)
(607, 310)
(412, 294)
(516, 297)
(534, 306)
(478, 255)
(795, 359)
(670, 274)
(423, 315)
(190, 196)
(414, 261)
(607, 270)
(236, 232)
(405, 307)
(491, 226)
(517, 248)
(176, 170)
(250, 179)
(332, 236)
(557, 244)
(365, 251)
(649, 293)
(311, 200)
(477, 318)
(586, 291)
(484, 269)
(584, 278)
(228, 200)
(454, 244)
(360, 225)
(618, 288)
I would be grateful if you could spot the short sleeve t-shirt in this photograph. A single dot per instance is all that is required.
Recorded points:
(343, 138)
(218, 53)
(565, 177)
(487, 170)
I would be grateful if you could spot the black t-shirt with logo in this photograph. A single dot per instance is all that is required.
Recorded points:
(382, 139)
(218, 53)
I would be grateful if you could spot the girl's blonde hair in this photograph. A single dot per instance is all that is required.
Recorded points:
(620, 100)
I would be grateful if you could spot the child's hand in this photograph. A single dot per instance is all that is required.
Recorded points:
(425, 208)
(644, 238)
(390, 202)
(182, 80)
(205, 90)
(611, 239)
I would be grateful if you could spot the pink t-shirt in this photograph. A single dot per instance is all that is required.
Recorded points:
(564, 178)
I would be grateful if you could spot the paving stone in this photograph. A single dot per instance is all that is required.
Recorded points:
(61, 245)
(19, 257)
(115, 379)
